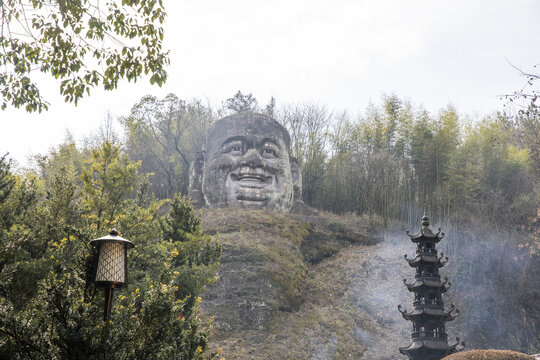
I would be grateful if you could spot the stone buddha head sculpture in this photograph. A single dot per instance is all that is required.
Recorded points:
(246, 164)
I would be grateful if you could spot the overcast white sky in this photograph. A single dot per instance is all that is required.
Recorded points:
(342, 53)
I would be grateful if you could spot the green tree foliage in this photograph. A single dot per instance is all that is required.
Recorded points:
(196, 255)
(49, 306)
(6, 180)
(528, 122)
(393, 159)
(81, 43)
(242, 103)
(164, 134)
(308, 127)
(108, 178)
(65, 157)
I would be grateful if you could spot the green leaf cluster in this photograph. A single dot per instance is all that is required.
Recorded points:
(49, 305)
(82, 43)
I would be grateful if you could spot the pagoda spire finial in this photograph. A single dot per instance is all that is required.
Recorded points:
(425, 220)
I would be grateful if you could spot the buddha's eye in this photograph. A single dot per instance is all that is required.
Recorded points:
(269, 153)
(234, 149)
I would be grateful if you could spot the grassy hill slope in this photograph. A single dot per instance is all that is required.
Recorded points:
(315, 285)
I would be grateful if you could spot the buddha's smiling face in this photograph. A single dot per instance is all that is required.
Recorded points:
(247, 164)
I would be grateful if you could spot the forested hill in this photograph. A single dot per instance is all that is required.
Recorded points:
(366, 179)
(478, 177)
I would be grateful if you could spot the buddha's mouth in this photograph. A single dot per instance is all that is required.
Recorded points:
(252, 186)
(256, 180)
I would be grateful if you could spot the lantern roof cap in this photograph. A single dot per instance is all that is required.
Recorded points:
(113, 236)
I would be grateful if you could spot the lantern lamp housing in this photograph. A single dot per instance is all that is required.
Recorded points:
(111, 269)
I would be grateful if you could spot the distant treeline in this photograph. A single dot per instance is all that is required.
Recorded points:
(388, 161)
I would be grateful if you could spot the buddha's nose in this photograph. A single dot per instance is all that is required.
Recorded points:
(252, 158)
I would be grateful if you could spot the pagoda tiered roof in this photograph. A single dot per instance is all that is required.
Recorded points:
(436, 311)
(432, 343)
(425, 232)
(429, 282)
(427, 257)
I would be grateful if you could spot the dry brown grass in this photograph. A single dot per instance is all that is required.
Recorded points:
(282, 289)
(489, 355)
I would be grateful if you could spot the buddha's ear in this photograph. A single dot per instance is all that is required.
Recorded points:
(296, 178)
(196, 169)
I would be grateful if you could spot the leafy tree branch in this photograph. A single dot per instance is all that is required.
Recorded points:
(81, 43)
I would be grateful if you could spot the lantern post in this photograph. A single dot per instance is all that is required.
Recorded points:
(111, 268)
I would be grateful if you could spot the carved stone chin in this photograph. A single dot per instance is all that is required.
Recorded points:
(246, 164)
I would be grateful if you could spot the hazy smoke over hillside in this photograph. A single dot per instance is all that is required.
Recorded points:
(485, 270)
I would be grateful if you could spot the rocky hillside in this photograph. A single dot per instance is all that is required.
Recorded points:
(311, 285)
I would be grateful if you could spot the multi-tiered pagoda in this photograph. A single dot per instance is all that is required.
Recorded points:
(429, 339)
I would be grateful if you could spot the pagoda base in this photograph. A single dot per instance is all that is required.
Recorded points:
(428, 349)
